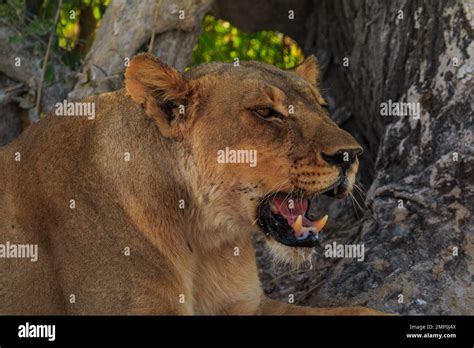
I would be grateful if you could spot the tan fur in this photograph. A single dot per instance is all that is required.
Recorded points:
(134, 204)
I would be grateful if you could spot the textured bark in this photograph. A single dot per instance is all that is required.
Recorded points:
(410, 250)
(126, 27)
(176, 47)
(28, 71)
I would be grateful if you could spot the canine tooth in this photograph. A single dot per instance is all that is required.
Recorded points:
(319, 224)
(298, 225)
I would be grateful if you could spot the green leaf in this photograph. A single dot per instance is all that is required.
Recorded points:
(220, 41)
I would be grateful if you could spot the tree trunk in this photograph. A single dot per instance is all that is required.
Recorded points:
(417, 228)
(126, 27)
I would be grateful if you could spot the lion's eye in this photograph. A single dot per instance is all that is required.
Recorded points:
(267, 112)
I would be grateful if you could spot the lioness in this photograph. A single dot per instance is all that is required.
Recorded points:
(133, 213)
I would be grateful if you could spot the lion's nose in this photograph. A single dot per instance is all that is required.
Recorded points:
(342, 158)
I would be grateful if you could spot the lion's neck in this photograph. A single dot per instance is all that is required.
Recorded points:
(160, 189)
(212, 219)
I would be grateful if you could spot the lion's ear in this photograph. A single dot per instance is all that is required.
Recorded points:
(159, 88)
(309, 70)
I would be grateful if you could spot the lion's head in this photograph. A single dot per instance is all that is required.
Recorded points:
(260, 139)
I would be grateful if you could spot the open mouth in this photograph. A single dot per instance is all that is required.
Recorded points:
(285, 218)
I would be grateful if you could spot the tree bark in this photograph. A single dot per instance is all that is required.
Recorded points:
(126, 27)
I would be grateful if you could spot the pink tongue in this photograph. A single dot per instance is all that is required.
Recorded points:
(290, 209)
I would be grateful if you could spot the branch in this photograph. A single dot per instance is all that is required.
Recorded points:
(35, 116)
(153, 28)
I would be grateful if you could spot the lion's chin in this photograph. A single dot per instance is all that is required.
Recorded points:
(292, 256)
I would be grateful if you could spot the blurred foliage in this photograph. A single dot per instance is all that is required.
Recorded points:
(68, 27)
(75, 30)
(220, 41)
(38, 25)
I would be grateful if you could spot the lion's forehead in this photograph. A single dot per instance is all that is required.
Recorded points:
(254, 75)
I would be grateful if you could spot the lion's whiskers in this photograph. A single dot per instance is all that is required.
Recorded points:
(355, 203)
(362, 193)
